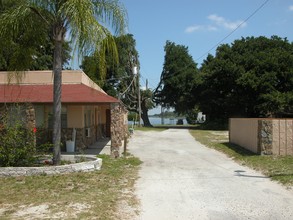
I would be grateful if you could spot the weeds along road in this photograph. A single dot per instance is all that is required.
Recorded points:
(182, 179)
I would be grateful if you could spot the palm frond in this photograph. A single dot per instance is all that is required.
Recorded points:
(13, 19)
(112, 12)
(86, 22)
(17, 29)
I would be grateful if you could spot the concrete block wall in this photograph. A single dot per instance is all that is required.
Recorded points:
(244, 133)
(263, 135)
(282, 137)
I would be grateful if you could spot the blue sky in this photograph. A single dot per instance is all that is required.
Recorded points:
(200, 25)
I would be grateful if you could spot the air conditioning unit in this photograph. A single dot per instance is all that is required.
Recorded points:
(88, 132)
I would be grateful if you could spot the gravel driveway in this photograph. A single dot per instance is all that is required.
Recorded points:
(182, 179)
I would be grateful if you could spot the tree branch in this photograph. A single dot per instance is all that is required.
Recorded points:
(39, 14)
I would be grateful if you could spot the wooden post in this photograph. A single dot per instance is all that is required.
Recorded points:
(125, 146)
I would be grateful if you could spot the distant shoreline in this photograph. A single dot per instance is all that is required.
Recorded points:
(156, 116)
(155, 120)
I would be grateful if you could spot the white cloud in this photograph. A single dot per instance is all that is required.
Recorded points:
(216, 18)
(216, 23)
(222, 22)
(211, 28)
(291, 7)
(194, 28)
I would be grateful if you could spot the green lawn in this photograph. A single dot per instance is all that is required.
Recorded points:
(93, 195)
(279, 168)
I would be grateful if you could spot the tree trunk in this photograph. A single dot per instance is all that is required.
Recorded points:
(57, 71)
(144, 115)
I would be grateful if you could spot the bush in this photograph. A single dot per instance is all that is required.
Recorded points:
(45, 148)
(191, 116)
(219, 124)
(42, 136)
(132, 116)
(17, 144)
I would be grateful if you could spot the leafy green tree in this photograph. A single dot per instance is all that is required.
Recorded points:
(192, 116)
(39, 53)
(42, 55)
(119, 75)
(177, 79)
(146, 104)
(252, 77)
(120, 81)
(17, 47)
(82, 21)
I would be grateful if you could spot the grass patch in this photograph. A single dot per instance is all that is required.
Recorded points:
(279, 168)
(149, 129)
(95, 194)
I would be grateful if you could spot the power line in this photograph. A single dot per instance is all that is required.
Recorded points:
(221, 41)
(121, 94)
(118, 78)
(216, 45)
(145, 78)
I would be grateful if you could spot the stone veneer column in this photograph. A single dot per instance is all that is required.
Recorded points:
(118, 128)
(265, 136)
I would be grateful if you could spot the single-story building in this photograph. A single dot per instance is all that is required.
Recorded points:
(86, 108)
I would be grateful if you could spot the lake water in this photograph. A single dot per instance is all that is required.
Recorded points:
(158, 121)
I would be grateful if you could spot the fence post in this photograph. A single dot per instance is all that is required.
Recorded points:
(125, 146)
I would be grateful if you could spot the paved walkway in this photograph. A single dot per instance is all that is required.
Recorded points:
(182, 179)
(103, 146)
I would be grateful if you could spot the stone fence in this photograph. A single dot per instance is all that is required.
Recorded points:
(263, 135)
(93, 164)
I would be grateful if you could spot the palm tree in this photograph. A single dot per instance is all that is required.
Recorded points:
(83, 21)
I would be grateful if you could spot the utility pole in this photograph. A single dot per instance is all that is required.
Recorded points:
(139, 102)
(136, 72)
(162, 115)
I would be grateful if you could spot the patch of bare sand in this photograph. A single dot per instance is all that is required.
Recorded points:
(128, 205)
(221, 133)
(46, 211)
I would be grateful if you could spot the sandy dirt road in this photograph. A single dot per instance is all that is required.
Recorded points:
(182, 179)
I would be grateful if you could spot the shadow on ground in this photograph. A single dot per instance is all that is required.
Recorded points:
(102, 146)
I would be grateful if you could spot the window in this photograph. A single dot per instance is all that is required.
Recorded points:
(88, 118)
(40, 115)
(63, 121)
(63, 118)
(17, 114)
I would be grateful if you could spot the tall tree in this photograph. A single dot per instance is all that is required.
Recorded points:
(120, 74)
(252, 77)
(177, 79)
(37, 54)
(146, 104)
(82, 21)
(120, 81)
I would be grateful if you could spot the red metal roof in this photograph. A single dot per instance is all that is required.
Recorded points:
(71, 93)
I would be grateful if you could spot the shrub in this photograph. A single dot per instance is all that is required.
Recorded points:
(132, 116)
(17, 143)
(191, 116)
(45, 148)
